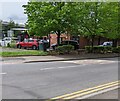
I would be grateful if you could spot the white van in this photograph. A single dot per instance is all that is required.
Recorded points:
(5, 41)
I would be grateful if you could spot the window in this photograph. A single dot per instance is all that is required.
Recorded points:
(65, 42)
(73, 43)
(108, 44)
(30, 40)
(25, 40)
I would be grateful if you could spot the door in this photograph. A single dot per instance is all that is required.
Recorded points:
(30, 43)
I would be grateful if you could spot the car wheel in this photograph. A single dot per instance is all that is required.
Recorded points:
(19, 46)
(25, 47)
(34, 47)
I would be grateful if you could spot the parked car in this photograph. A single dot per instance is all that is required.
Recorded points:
(67, 42)
(109, 43)
(5, 41)
(30, 43)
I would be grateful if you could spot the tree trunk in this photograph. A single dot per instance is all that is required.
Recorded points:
(114, 42)
(92, 43)
(58, 37)
(99, 40)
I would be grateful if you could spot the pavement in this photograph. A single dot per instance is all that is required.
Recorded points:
(49, 58)
(28, 59)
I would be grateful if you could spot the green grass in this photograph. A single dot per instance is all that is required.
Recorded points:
(23, 53)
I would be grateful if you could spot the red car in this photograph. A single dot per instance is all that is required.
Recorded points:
(32, 43)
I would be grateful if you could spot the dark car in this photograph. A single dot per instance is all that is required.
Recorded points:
(67, 42)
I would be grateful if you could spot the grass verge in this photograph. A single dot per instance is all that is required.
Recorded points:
(23, 53)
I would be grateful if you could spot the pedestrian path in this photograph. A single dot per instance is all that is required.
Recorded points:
(68, 58)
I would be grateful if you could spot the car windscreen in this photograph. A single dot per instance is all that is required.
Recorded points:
(73, 43)
(64, 42)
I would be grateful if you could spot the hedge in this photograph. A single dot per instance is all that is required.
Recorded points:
(116, 49)
(102, 49)
(65, 49)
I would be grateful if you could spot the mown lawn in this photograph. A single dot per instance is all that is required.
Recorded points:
(23, 53)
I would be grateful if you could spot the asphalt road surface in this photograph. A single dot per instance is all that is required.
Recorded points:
(45, 80)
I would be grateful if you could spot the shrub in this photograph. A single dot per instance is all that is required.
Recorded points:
(88, 49)
(116, 49)
(53, 52)
(108, 49)
(98, 49)
(68, 48)
(60, 49)
(65, 49)
(12, 45)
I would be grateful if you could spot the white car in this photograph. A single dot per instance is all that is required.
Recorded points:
(5, 41)
(109, 43)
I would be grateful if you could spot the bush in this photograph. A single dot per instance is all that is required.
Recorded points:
(60, 49)
(98, 49)
(65, 49)
(88, 49)
(13, 45)
(116, 49)
(68, 48)
(52, 52)
(107, 49)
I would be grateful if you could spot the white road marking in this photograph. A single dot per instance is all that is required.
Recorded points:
(62, 67)
(91, 61)
(46, 68)
(81, 63)
(3, 73)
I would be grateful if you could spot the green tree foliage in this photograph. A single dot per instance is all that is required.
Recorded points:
(46, 17)
(40, 17)
(109, 20)
(79, 18)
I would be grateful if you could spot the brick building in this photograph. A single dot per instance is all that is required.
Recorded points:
(53, 38)
(83, 41)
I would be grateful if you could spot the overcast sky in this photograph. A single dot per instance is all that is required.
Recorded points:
(13, 10)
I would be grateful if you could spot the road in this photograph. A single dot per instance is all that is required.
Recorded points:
(43, 80)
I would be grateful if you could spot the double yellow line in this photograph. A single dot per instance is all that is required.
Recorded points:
(88, 91)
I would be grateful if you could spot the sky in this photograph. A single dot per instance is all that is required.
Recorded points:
(13, 10)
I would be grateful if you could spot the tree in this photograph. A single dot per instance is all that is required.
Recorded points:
(89, 19)
(53, 16)
(109, 22)
(99, 19)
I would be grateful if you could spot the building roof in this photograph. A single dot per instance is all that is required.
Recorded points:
(19, 29)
